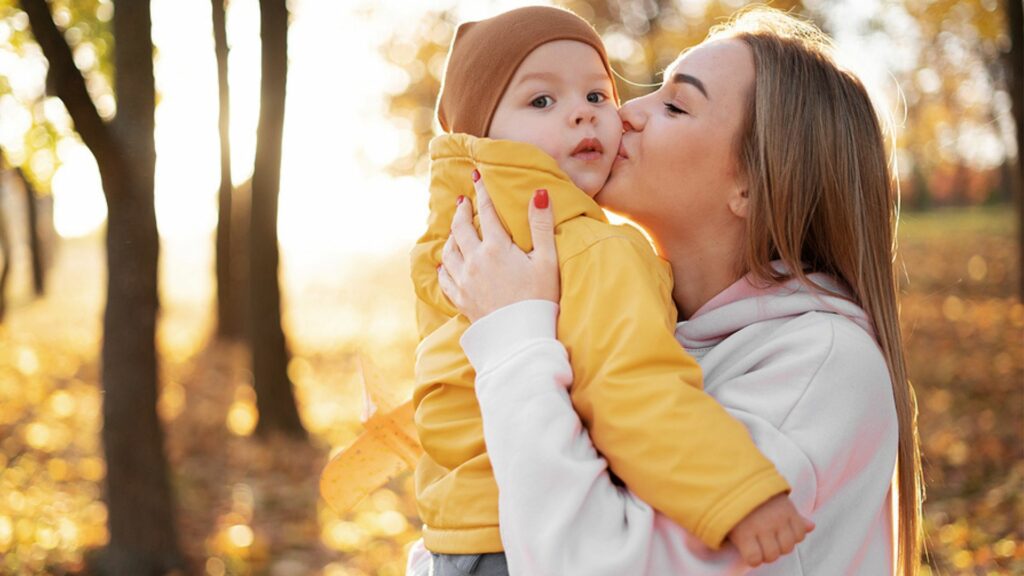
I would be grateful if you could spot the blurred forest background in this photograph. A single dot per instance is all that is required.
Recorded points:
(196, 262)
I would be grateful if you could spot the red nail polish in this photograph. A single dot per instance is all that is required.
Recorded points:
(476, 176)
(459, 200)
(540, 199)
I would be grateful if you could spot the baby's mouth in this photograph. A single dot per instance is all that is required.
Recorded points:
(588, 150)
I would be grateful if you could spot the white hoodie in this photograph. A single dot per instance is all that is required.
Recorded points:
(800, 369)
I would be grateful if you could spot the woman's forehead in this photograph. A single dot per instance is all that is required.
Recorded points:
(721, 63)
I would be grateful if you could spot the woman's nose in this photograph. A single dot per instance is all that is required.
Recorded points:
(632, 116)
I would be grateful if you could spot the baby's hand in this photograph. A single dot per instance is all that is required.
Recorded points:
(771, 530)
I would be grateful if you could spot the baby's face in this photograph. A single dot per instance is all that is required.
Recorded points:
(560, 100)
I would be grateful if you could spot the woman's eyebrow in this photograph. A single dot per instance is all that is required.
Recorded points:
(680, 78)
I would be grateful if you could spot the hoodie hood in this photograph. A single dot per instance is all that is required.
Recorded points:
(745, 303)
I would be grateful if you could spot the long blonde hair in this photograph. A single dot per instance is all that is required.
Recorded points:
(823, 199)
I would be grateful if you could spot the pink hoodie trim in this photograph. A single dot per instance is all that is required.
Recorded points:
(744, 303)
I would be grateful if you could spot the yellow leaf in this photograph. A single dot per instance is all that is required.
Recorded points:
(377, 395)
(387, 447)
(385, 450)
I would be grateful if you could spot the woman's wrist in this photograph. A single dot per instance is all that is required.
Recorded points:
(500, 334)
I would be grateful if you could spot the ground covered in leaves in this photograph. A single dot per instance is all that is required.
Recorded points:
(247, 506)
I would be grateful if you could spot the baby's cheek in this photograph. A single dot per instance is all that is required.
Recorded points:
(613, 138)
(553, 145)
(612, 120)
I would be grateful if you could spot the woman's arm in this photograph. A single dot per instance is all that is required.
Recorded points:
(665, 549)
(835, 443)
(560, 511)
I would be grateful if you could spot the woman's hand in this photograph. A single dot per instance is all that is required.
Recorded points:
(480, 276)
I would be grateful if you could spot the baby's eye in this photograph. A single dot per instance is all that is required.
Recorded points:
(542, 101)
(596, 97)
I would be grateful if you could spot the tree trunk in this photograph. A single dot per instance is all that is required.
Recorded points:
(922, 194)
(34, 244)
(960, 195)
(241, 216)
(140, 518)
(142, 529)
(1015, 60)
(5, 248)
(229, 312)
(274, 397)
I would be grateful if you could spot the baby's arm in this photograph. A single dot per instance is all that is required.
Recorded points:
(560, 512)
(444, 386)
(773, 529)
(639, 394)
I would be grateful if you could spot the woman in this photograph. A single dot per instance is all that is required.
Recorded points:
(759, 171)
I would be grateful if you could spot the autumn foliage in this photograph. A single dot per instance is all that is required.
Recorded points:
(250, 507)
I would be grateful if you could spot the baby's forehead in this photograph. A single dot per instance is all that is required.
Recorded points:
(560, 77)
(562, 61)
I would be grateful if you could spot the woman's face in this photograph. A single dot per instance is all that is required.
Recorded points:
(678, 161)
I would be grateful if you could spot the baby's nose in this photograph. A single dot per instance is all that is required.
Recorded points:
(583, 114)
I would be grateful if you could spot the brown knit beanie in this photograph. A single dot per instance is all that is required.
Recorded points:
(485, 55)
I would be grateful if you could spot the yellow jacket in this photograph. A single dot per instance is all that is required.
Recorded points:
(635, 388)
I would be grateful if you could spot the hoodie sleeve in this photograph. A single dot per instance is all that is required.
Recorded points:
(560, 512)
(639, 394)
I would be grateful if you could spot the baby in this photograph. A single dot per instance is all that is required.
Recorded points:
(528, 102)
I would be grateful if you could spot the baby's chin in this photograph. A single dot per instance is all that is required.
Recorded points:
(589, 183)
(606, 194)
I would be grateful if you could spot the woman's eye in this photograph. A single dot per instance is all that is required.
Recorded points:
(542, 101)
(673, 109)
(596, 97)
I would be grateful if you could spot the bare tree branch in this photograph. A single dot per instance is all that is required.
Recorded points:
(69, 82)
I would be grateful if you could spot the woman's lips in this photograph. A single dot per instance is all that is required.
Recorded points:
(622, 152)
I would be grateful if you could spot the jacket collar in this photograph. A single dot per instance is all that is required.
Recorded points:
(510, 171)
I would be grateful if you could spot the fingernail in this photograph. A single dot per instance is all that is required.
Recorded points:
(540, 199)
(476, 176)
(439, 267)
(459, 199)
